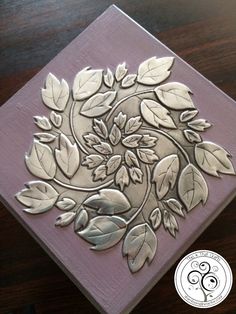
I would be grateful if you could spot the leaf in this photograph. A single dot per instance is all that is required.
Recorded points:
(175, 96)
(43, 123)
(67, 156)
(66, 204)
(156, 115)
(120, 120)
(45, 137)
(115, 135)
(165, 174)
(170, 223)
(109, 202)
(98, 104)
(121, 71)
(175, 206)
(40, 161)
(108, 78)
(147, 155)
(39, 196)
(148, 141)
(131, 159)
(213, 159)
(103, 148)
(104, 231)
(122, 177)
(99, 173)
(91, 139)
(100, 128)
(87, 82)
(132, 125)
(56, 94)
(65, 219)
(113, 164)
(136, 174)
(192, 136)
(129, 80)
(188, 115)
(154, 70)
(56, 119)
(199, 125)
(155, 218)
(92, 161)
(192, 187)
(132, 140)
(81, 220)
(140, 246)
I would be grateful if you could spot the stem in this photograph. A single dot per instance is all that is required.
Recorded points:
(149, 186)
(84, 150)
(83, 189)
(184, 153)
(124, 99)
(204, 293)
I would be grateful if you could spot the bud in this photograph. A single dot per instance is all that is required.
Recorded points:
(65, 219)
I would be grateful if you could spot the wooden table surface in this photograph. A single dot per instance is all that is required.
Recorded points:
(203, 33)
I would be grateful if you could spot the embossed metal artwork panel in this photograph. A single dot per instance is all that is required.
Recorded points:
(141, 134)
(120, 154)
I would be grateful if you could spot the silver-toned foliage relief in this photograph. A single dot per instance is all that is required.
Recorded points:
(121, 155)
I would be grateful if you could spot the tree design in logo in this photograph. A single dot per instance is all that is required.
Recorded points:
(203, 278)
(121, 155)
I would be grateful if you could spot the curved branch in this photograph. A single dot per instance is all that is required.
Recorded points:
(84, 150)
(184, 153)
(148, 190)
(124, 99)
(83, 189)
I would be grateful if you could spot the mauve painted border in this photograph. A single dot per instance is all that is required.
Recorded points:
(123, 300)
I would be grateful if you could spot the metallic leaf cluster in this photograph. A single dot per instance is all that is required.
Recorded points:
(142, 134)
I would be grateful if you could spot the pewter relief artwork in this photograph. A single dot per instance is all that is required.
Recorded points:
(121, 155)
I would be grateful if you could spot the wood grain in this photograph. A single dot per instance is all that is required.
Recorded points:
(203, 34)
